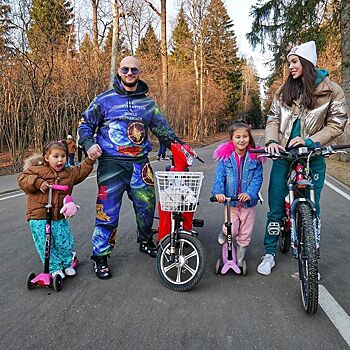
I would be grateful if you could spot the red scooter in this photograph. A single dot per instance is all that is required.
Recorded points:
(181, 256)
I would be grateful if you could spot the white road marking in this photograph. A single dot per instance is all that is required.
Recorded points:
(335, 313)
(13, 196)
(338, 190)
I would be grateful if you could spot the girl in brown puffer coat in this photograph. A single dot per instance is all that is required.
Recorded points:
(41, 171)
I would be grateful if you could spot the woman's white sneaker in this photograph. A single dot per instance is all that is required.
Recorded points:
(268, 262)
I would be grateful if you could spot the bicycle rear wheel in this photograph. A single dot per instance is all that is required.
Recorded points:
(188, 268)
(307, 257)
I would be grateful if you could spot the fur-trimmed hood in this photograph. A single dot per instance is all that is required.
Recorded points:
(225, 150)
(33, 160)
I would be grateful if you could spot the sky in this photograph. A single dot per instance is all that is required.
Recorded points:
(238, 10)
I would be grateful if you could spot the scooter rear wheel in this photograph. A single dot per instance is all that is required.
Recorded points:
(218, 266)
(57, 283)
(31, 285)
(244, 268)
(187, 269)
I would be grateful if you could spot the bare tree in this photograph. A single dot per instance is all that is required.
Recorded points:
(115, 42)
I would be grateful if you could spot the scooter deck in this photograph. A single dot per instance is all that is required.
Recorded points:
(229, 264)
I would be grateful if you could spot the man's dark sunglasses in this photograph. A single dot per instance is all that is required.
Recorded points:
(134, 70)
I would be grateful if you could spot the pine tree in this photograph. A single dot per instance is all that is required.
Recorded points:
(5, 10)
(149, 46)
(149, 52)
(181, 42)
(50, 24)
(220, 48)
(220, 41)
(278, 27)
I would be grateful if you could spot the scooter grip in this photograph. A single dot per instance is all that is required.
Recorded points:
(60, 187)
(213, 199)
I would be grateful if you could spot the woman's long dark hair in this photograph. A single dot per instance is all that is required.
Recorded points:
(305, 86)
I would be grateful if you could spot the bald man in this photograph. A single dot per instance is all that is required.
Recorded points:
(121, 118)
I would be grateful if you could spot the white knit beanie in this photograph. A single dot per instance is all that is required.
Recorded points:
(306, 50)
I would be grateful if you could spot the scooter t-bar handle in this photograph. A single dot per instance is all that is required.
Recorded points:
(63, 188)
(200, 159)
(231, 199)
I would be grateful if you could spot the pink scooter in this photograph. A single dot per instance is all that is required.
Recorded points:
(45, 278)
(229, 260)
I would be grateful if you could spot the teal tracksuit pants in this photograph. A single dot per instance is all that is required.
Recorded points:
(278, 190)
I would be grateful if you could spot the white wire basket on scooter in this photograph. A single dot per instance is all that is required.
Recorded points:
(179, 191)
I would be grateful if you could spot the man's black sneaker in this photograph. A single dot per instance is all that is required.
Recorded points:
(148, 248)
(101, 267)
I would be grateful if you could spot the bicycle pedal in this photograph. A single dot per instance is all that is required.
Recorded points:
(198, 223)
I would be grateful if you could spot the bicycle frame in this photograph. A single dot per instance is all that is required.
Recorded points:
(298, 189)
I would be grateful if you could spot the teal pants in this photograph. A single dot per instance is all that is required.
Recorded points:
(278, 189)
(61, 248)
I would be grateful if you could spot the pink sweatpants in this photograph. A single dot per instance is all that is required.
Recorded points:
(242, 224)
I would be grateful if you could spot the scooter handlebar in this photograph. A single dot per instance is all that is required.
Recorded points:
(232, 199)
(63, 188)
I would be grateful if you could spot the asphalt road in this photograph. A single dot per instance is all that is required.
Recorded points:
(134, 310)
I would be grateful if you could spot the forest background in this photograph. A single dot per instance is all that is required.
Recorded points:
(57, 55)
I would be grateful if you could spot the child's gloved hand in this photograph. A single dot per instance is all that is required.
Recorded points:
(69, 208)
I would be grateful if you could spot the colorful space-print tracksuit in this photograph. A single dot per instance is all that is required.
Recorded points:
(122, 122)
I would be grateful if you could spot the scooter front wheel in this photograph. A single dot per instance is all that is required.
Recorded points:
(30, 277)
(57, 283)
(187, 269)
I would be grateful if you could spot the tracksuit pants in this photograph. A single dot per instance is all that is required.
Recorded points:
(114, 177)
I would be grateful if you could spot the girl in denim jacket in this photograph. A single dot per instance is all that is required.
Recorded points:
(238, 173)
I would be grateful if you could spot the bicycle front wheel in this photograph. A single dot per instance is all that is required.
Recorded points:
(187, 269)
(307, 257)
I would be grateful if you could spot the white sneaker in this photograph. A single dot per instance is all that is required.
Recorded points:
(268, 262)
(221, 238)
(69, 271)
(58, 272)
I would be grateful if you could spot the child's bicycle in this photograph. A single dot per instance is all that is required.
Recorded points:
(300, 226)
(229, 256)
(181, 256)
(45, 279)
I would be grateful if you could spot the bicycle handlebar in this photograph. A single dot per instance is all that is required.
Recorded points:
(300, 152)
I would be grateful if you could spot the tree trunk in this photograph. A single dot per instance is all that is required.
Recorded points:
(95, 23)
(201, 86)
(345, 67)
(115, 41)
(164, 57)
